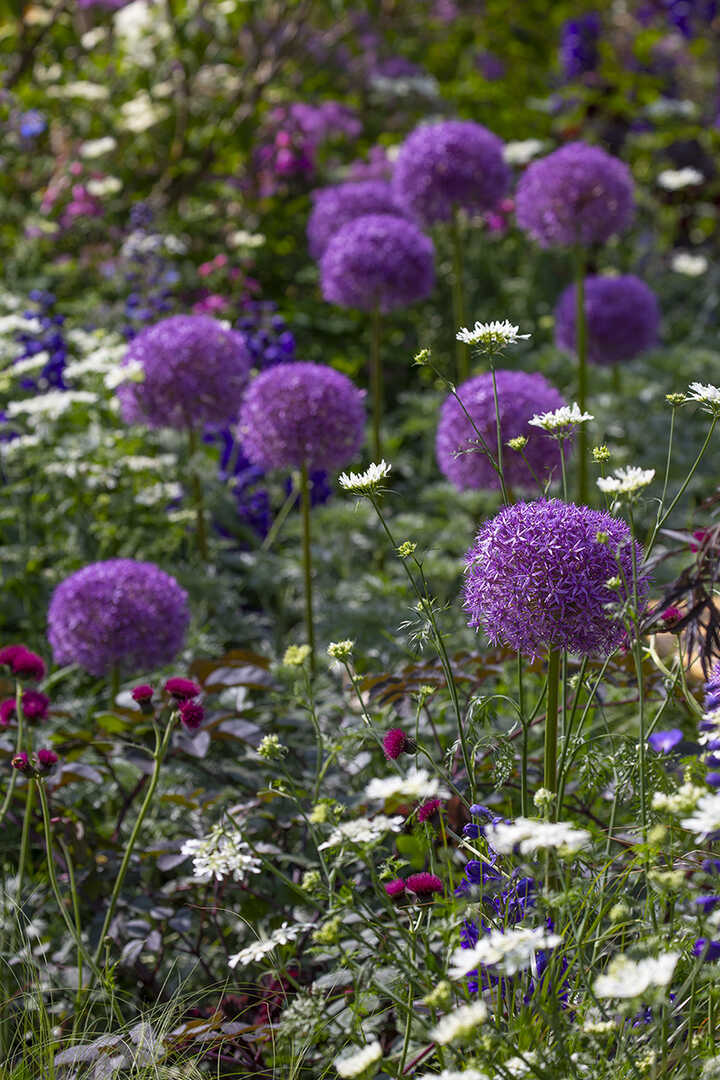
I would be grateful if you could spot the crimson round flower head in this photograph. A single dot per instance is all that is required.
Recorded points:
(195, 372)
(579, 194)
(428, 809)
(142, 693)
(21, 762)
(396, 742)
(118, 614)
(182, 689)
(46, 759)
(335, 206)
(8, 654)
(447, 165)
(27, 665)
(295, 414)
(395, 889)
(537, 578)
(192, 714)
(622, 317)
(377, 261)
(7, 711)
(424, 885)
(520, 396)
(34, 705)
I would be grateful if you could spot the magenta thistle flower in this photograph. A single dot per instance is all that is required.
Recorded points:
(21, 762)
(8, 654)
(579, 194)
(536, 578)
(622, 317)
(377, 261)
(459, 454)
(46, 759)
(182, 689)
(395, 889)
(27, 665)
(295, 414)
(195, 372)
(447, 165)
(120, 613)
(34, 705)
(192, 714)
(424, 885)
(395, 742)
(142, 693)
(335, 206)
(7, 711)
(428, 809)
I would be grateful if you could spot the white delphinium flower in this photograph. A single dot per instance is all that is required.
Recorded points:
(528, 835)
(706, 395)
(356, 1064)
(50, 405)
(682, 801)
(418, 784)
(221, 854)
(683, 262)
(522, 150)
(459, 1023)
(362, 831)
(492, 335)
(705, 818)
(628, 978)
(561, 423)
(627, 480)
(108, 185)
(368, 482)
(95, 148)
(510, 951)
(253, 954)
(676, 179)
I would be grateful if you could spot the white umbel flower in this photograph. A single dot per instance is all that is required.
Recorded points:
(491, 335)
(95, 148)
(522, 150)
(528, 835)
(253, 954)
(368, 482)
(356, 1064)
(706, 395)
(561, 422)
(682, 801)
(221, 854)
(459, 1023)
(705, 818)
(362, 831)
(627, 480)
(418, 784)
(677, 179)
(683, 262)
(628, 978)
(509, 952)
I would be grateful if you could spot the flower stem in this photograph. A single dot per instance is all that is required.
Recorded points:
(200, 529)
(307, 562)
(25, 840)
(581, 350)
(458, 295)
(551, 721)
(18, 747)
(376, 382)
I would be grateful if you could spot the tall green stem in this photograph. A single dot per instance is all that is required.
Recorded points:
(18, 747)
(307, 561)
(25, 840)
(581, 349)
(200, 528)
(376, 382)
(458, 295)
(551, 721)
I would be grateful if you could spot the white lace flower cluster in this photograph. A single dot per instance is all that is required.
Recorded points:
(529, 835)
(491, 335)
(509, 951)
(362, 831)
(253, 954)
(628, 978)
(417, 784)
(682, 801)
(221, 854)
(356, 1064)
(460, 1022)
(677, 179)
(705, 818)
(627, 480)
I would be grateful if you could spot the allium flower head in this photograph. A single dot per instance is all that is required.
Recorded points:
(335, 206)
(377, 261)
(537, 577)
(120, 613)
(577, 195)
(195, 372)
(302, 413)
(622, 317)
(453, 163)
(460, 456)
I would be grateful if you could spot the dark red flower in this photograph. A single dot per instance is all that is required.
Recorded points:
(182, 689)
(7, 711)
(34, 705)
(395, 888)
(424, 885)
(46, 759)
(27, 665)
(192, 714)
(395, 742)
(142, 693)
(427, 809)
(9, 652)
(21, 762)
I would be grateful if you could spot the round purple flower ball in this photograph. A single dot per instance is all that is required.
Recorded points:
(520, 397)
(622, 316)
(336, 206)
(579, 194)
(120, 613)
(536, 578)
(295, 414)
(195, 373)
(448, 165)
(377, 261)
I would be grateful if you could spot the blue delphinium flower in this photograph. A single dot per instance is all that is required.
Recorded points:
(579, 38)
(32, 123)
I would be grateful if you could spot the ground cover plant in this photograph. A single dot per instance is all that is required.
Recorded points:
(360, 642)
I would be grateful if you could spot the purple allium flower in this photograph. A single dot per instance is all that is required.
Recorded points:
(120, 613)
(520, 397)
(27, 665)
(579, 44)
(448, 165)
(379, 260)
(665, 741)
(577, 195)
(622, 317)
(537, 578)
(192, 714)
(336, 206)
(395, 889)
(395, 742)
(302, 413)
(426, 811)
(424, 885)
(195, 372)
(707, 949)
(182, 689)
(35, 705)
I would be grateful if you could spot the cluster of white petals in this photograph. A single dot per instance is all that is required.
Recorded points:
(509, 952)
(628, 978)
